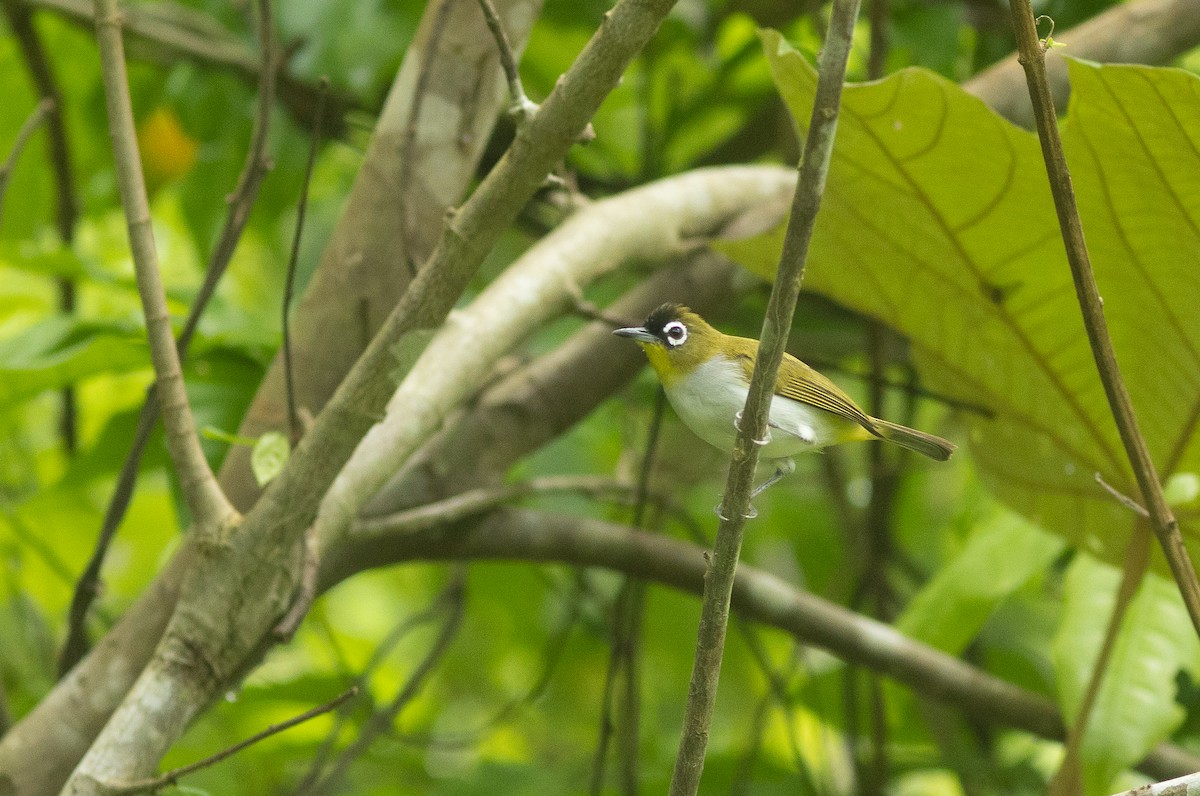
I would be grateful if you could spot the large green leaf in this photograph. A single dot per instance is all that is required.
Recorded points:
(937, 219)
(1002, 554)
(60, 351)
(1136, 706)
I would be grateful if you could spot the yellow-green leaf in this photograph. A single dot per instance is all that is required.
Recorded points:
(937, 219)
(269, 456)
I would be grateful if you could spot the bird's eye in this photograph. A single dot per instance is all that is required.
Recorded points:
(676, 333)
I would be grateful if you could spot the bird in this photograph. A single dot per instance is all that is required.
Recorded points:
(706, 377)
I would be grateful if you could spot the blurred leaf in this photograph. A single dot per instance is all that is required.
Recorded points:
(1136, 706)
(61, 351)
(269, 456)
(167, 151)
(1182, 489)
(1003, 553)
(937, 220)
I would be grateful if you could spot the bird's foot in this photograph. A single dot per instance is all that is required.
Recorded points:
(737, 423)
(750, 514)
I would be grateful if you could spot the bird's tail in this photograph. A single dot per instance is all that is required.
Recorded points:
(925, 444)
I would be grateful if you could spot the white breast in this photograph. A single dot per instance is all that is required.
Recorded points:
(709, 398)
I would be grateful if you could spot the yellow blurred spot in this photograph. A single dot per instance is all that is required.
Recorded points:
(168, 152)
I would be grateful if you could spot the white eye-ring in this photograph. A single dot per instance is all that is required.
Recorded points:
(676, 333)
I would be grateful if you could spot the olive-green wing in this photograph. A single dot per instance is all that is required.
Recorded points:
(801, 383)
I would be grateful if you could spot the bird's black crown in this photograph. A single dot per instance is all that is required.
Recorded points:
(668, 312)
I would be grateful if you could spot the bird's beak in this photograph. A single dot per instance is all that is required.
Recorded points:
(638, 333)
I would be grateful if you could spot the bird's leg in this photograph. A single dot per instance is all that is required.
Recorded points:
(783, 468)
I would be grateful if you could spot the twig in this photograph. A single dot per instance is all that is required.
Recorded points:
(306, 591)
(627, 612)
(383, 720)
(67, 208)
(1183, 786)
(294, 256)
(258, 162)
(877, 61)
(207, 504)
(6, 718)
(1166, 528)
(1068, 779)
(522, 107)
(626, 623)
(554, 649)
(173, 776)
(214, 46)
(1122, 498)
(87, 588)
(39, 114)
(479, 501)
(533, 536)
(630, 707)
(255, 168)
(362, 681)
(735, 505)
(872, 588)
(607, 695)
(409, 140)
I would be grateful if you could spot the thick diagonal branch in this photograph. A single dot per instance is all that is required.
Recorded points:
(535, 536)
(251, 578)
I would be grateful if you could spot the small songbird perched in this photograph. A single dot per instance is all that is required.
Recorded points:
(706, 376)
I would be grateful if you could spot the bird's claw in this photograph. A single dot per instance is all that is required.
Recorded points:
(750, 514)
(737, 423)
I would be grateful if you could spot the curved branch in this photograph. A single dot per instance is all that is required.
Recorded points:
(251, 578)
(41, 112)
(656, 221)
(210, 510)
(533, 536)
(361, 256)
(361, 277)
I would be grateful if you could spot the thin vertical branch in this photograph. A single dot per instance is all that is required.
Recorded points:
(257, 164)
(382, 721)
(1166, 527)
(880, 41)
(1068, 779)
(207, 504)
(628, 609)
(66, 207)
(735, 505)
(522, 107)
(408, 143)
(289, 286)
(35, 119)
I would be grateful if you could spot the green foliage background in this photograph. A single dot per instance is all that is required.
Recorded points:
(936, 221)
